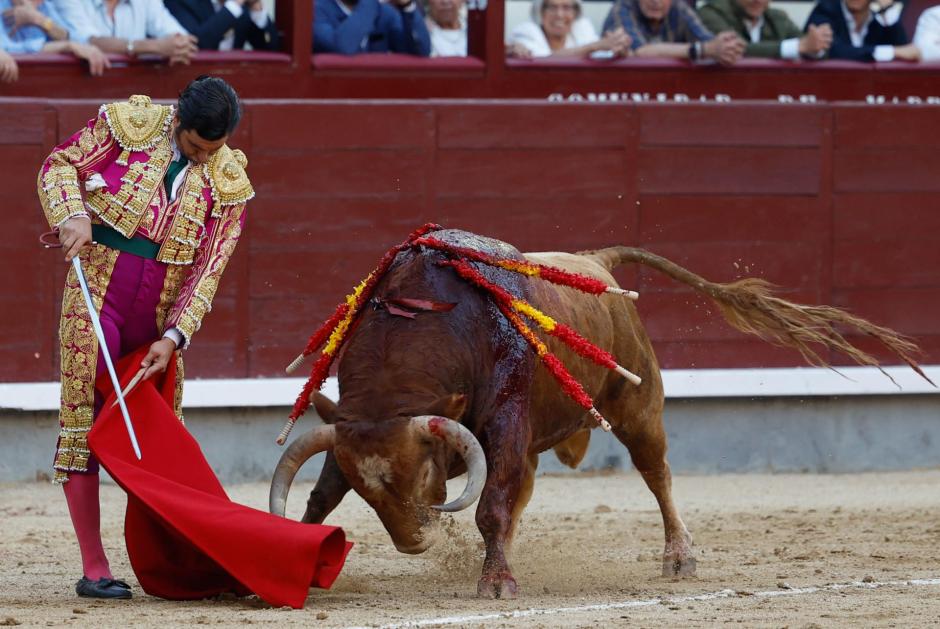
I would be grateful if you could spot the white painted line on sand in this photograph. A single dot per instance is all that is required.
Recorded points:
(709, 596)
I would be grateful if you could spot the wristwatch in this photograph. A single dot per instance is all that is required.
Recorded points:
(129, 50)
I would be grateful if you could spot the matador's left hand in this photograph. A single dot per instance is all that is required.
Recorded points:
(158, 358)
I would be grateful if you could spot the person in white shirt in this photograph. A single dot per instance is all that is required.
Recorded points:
(447, 26)
(927, 34)
(129, 27)
(557, 28)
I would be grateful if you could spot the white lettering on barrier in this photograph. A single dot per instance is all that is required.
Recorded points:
(665, 97)
(881, 99)
(636, 97)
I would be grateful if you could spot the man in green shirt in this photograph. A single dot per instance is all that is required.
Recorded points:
(768, 32)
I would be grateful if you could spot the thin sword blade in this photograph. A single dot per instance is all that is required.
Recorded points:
(96, 323)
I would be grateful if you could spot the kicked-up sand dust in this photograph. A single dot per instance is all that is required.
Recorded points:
(584, 540)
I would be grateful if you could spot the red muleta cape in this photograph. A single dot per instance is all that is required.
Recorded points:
(185, 538)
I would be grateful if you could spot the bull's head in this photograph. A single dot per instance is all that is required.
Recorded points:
(398, 465)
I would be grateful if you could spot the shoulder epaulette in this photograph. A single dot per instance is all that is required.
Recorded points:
(225, 171)
(138, 124)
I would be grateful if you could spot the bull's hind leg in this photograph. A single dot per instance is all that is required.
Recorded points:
(645, 438)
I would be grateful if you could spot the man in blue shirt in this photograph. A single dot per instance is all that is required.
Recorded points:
(31, 26)
(671, 28)
(353, 26)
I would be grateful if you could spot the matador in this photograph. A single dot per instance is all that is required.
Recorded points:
(152, 200)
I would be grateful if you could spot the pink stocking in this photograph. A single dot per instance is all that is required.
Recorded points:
(81, 493)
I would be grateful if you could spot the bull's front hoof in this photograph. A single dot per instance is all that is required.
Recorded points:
(679, 566)
(499, 586)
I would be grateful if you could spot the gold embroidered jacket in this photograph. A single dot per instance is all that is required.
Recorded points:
(119, 160)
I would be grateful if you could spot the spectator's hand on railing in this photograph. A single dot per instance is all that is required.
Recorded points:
(178, 48)
(726, 48)
(97, 61)
(518, 51)
(907, 52)
(817, 40)
(617, 41)
(9, 72)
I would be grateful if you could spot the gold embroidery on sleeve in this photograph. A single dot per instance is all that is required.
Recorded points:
(58, 181)
(219, 248)
(60, 195)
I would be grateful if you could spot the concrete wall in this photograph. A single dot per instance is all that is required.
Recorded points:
(821, 434)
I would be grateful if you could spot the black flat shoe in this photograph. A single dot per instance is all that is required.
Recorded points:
(102, 588)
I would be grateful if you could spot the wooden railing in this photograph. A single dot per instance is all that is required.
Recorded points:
(295, 73)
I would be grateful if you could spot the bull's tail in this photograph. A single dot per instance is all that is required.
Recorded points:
(750, 306)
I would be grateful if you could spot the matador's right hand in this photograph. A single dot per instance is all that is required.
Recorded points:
(74, 234)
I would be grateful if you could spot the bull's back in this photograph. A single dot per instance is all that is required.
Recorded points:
(609, 321)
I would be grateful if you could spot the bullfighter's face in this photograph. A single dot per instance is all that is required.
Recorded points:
(400, 471)
(194, 147)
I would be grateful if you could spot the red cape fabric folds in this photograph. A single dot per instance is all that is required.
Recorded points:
(185, 538)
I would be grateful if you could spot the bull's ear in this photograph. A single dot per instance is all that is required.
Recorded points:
(326, 408)
(452, 406)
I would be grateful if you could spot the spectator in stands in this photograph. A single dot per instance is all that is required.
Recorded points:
(768, 32)
(35, 26)
(670, 28)
(130, 27)
(353, 26)
(859, 34)
(557, 28)
(927, 34)
(447, 26)
(226, 24)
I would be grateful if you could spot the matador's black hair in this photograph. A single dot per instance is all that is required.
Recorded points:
(210, 107)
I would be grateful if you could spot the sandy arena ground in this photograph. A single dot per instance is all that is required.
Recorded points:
(585, 540)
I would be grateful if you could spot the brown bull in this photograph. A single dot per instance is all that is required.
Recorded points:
(399, 376)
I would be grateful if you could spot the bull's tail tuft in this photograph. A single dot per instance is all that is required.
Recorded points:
(751, 306)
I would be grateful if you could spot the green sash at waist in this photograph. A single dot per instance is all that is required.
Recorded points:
(138, 245)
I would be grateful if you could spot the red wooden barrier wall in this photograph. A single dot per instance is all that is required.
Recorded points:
(834, 202)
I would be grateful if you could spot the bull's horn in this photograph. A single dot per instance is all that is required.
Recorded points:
(463, 441)
(297, 453)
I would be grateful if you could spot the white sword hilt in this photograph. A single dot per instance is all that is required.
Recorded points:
(99, 332)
